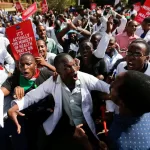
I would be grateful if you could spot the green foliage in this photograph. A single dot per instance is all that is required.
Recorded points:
(60, 4)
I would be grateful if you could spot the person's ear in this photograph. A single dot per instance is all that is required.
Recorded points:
(148, 24)
(147, 58)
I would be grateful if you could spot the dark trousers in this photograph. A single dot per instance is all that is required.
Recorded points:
(10, 139)
(62, 138)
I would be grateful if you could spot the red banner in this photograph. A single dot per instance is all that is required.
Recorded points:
(44, 6)
(93, 6)
(137, 6)
(144, 12)
(29, 11)
(22, 40)
(19, 7)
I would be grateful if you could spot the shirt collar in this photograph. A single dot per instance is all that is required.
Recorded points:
(125, 34)
(60, 81)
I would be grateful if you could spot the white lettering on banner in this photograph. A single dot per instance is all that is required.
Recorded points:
(148, 13)
(141, 15)
(146, 8)
(22, 43)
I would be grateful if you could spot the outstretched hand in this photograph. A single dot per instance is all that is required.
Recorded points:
(13, 113)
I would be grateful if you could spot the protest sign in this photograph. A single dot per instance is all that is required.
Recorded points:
(137, 6)
(93, 6)
(44, 6)
(22, 40)
(143, 12)
(19, 7)
(29, 11)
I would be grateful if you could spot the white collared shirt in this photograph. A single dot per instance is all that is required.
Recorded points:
(111, 61)
(88, 83)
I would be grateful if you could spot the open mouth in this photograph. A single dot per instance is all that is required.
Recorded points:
(130, 65)
(75, 77)
(26, 74)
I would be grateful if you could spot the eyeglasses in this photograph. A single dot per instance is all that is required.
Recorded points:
(136, 54)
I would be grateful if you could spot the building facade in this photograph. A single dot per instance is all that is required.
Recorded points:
(8, 5)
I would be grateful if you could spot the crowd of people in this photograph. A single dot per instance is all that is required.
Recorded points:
(88, 89)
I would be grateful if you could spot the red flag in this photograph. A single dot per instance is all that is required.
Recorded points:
(44, 6)
(137, 6)
(22, 39)
(29, 11)
(19, 7)
(143, 12)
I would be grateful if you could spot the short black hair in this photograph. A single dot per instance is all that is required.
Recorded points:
(130, 21)
(135, 92)
(147, 20)
(41, 40)
(58, 59)
(85, 41)
(97, 34)
(142, 42)
(27, 54)
(39, 25)
(116, 21)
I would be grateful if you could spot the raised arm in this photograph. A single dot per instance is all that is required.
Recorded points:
(103, 44)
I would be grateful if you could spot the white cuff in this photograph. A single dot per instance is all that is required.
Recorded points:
(20, 103)
(110, 106)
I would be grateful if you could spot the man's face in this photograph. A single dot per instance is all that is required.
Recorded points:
(68, 69)
(131, 28)
(27, 67)
(8, 25)
(86, 51)
(41, 31)
(111, 46)
(72, 37)
(136, 56)
(95, 41)
(145, 26)
(42, 48)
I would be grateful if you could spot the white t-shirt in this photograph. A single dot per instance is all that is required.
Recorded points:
(50, 58)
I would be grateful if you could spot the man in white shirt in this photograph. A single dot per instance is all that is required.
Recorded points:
(137, 59)
(71, 92)
(146, 29)
(111, 55)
